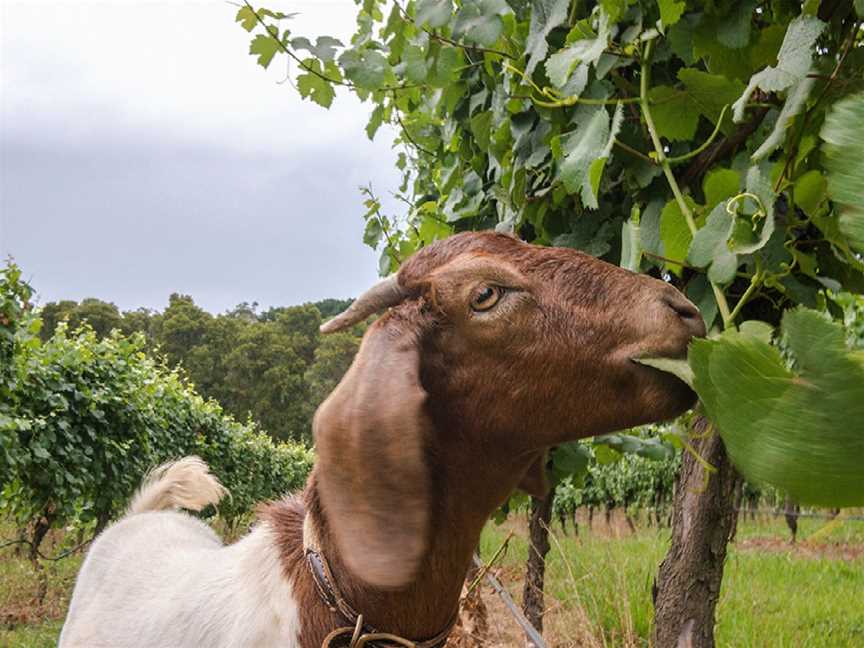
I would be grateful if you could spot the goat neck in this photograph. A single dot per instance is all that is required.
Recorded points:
(463, 502)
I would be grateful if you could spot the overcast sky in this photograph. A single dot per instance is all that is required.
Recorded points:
(144, 152)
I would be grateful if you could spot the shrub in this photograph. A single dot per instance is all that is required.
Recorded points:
(84, 418)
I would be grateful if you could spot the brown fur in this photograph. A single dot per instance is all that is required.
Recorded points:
(484, 395)
(285, 517)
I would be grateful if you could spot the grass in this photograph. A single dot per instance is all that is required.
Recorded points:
(25, 622)
(598, 587)
(774, 595)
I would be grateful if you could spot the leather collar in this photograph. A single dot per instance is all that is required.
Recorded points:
(356, 633)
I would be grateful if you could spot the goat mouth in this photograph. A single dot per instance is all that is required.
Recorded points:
(660, 355)
(644, 361)
(678, 388)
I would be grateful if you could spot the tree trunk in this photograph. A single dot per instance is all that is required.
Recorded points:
(790, 512)
(102, 521)
(40, 529)
(538, 532)
(629, 521)
(688, 582)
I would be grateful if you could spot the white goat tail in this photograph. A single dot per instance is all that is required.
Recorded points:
(185, 483)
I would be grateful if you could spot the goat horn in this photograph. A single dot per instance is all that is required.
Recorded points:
(383, 294)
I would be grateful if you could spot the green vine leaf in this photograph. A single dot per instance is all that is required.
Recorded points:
(416, 67)
(448, 66)
(810, 191)
(479, 21)
(798, 429)
(614, 8)
(675, 235)
(570, 459)
(710, 246)
(709, 92)
(366, 68)
(677, 367)
(670, 11)
(844, 137)
(795, 99)
(247, 19)
(673, 113)
(545, 16)
(433, 13)
(753, 231)
(583, 46)
(265, 47)
(720, 184)
(793, 62)
(581, 151)
(734, 31)
(324, 47)
(312, 86)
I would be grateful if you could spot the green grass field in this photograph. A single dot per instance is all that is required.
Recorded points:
(598, 587)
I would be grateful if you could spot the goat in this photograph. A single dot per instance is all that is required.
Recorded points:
(492, 351)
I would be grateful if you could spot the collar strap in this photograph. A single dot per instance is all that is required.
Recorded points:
(356, 634)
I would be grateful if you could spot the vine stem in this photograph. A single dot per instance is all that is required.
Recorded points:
(487, 566)
(566, 101)
(406, 18)
(633, 151)
(705, 144)
(755, 280)
(287, 51)
(571, 101)
(384, 227)
(59, 556)
(663, 161)
(407, 133)
(313, 71)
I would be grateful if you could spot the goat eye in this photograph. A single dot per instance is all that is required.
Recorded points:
(486, 298)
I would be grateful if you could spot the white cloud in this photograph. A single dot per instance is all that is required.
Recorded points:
(181, 68)
(146, 152)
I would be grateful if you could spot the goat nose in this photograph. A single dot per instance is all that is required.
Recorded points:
(686, 311)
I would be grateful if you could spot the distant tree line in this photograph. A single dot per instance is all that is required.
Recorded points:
(271, 366)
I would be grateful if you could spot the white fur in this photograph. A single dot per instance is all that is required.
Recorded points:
(164, 579)
(185, 483)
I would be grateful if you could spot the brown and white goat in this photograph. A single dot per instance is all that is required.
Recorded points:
(492, 352)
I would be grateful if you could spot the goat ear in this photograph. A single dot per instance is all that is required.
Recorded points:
(535, 481)
(373, 479)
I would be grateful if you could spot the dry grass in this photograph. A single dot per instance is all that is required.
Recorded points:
(570, 618)
(598, 585)
(34, 598)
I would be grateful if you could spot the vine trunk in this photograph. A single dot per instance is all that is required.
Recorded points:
(538, 532)
(688, 582)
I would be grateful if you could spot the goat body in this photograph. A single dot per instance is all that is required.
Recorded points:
(161, 578)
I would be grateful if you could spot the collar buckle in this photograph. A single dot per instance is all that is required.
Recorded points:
(357, 633)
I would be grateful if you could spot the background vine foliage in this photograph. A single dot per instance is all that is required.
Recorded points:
(712, 143)
(82, 419)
